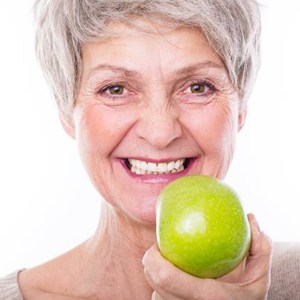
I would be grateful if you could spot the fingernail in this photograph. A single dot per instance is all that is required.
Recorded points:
(255, 223)
(145, 257)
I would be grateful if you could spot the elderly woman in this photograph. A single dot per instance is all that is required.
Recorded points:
(151, 91)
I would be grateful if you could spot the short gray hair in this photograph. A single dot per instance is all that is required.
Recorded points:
(232, 28)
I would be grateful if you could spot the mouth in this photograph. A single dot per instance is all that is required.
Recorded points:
(142, 167)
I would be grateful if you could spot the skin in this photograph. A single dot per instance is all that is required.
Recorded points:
(157, 117)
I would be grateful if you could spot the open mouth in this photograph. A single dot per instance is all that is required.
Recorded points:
(141, 167)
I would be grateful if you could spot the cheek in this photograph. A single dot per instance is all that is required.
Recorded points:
(99, 130)
(224, 129)
(98, 133)
(215, 128)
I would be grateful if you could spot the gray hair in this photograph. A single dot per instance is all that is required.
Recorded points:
(232, 28)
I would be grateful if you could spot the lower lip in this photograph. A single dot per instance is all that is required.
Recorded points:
(158, 178)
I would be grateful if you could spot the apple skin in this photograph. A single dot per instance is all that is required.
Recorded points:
(201, 226)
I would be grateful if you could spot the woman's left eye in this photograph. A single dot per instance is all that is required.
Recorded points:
(198, 92)
(201, 88)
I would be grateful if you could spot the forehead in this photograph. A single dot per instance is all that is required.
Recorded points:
(149, 49)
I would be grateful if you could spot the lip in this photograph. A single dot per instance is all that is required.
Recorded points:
(158, 178)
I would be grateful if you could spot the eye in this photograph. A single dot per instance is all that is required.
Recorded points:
(202, 88)
(198, 92)
(197, 88)
(116, 93)
(115, 89)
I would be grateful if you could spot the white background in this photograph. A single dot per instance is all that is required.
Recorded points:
(48, 205)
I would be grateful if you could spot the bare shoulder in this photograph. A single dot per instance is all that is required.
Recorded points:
(285, 273)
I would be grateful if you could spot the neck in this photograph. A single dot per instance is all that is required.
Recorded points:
(107, 266)
(117, 229)
(117, 246)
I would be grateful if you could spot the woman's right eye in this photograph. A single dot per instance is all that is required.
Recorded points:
(114, 90)
(116, 93)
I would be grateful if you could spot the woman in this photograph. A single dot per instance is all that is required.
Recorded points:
(151, 91)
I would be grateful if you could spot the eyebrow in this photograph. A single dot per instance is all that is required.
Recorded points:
(132, 73)
(117, 69)
(199, 66)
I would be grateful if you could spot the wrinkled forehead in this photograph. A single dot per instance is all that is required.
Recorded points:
(154, 52)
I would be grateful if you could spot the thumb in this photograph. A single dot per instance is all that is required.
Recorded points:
(164, 277)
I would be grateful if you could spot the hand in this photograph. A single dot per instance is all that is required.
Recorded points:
(250, 280)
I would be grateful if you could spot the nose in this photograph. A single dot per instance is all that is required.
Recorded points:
(159, 127)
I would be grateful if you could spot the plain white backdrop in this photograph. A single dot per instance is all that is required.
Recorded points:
(48, 205)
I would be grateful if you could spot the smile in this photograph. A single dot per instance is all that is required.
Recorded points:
(141, 167)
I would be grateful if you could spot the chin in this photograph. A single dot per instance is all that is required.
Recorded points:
(145, 215)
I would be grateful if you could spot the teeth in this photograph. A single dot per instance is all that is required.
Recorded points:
(152, 167)
(162, 167)
(171, 165)
(142, 167)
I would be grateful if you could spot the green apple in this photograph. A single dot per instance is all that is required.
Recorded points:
(201, 226)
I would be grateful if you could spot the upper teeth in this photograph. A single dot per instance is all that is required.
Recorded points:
(143, 167)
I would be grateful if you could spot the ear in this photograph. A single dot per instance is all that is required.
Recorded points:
(242, 118)
(68, 124)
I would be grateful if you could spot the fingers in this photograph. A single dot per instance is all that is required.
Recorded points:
(236, 274)
(261, 244)
(249, 280)
(258, 264)
(255, 268)
(172, 283)
(155, 296)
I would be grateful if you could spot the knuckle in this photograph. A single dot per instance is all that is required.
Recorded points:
(208, 290)
(164, 279)
(267, 246)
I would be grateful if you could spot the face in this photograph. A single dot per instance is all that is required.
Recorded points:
(151, 108)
